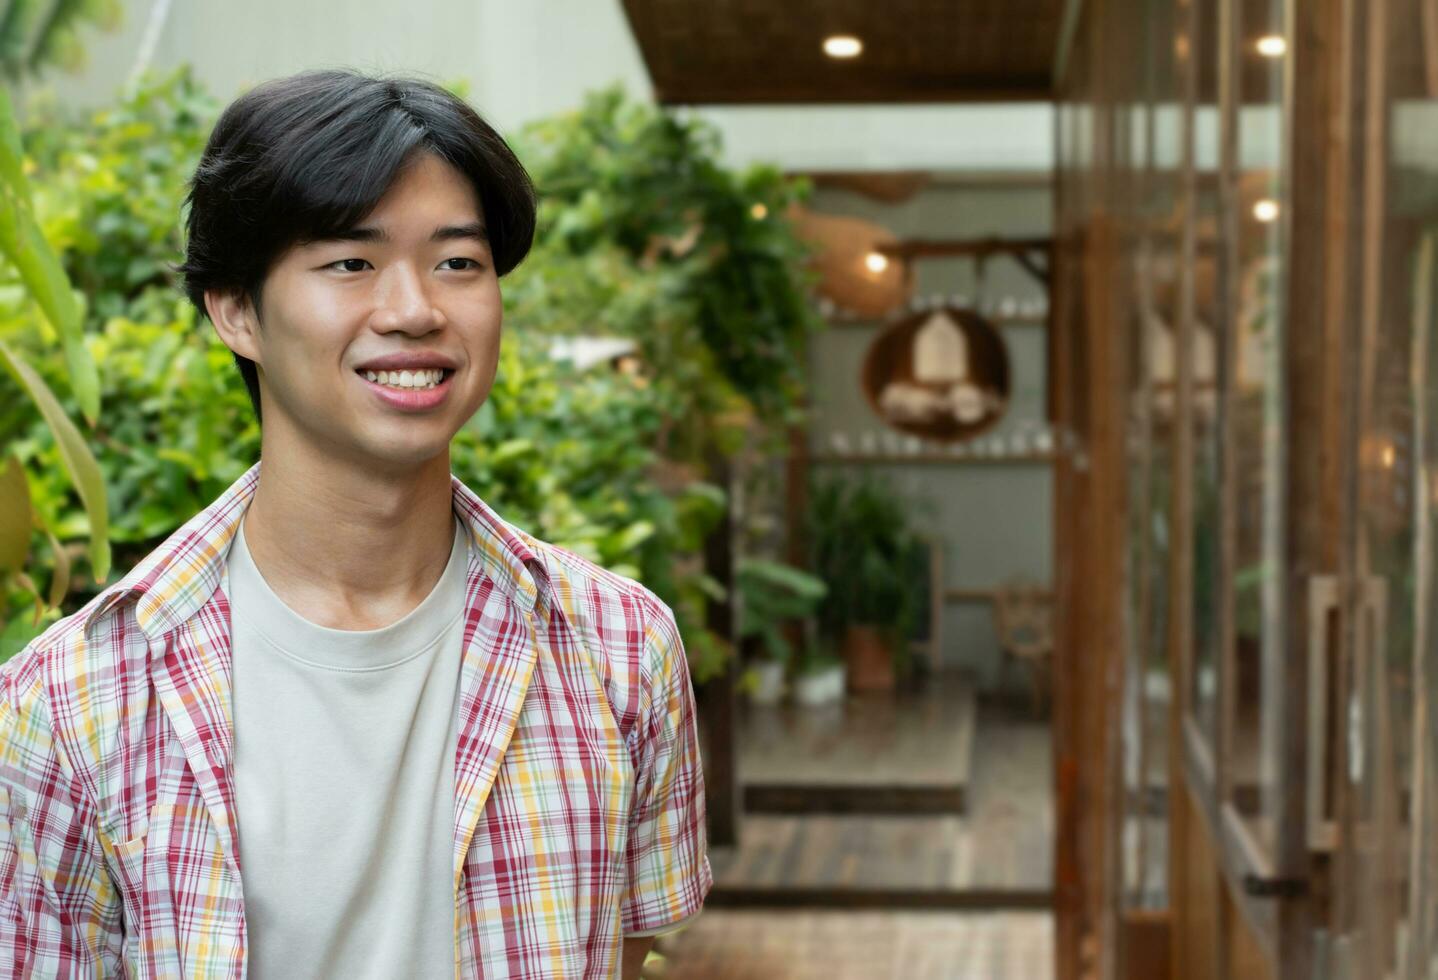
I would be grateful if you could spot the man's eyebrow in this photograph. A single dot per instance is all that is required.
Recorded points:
(446, 233)
(474, 229)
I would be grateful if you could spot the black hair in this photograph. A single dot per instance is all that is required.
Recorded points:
(308, 156)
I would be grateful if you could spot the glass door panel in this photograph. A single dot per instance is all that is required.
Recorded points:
(1148, 689)
(1202, 43)
(1256, 204)
(1390, 919)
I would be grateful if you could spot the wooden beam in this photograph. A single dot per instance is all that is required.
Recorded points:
(975, 179)
(925, 899)
(895, 799)
(920, 248)
(985, 88)
(934, 459)
(1012, 322)
(1024, 251)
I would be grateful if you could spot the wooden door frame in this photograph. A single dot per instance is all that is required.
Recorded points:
(1085, 364)
(1279, 895)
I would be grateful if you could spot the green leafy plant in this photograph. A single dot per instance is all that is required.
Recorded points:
(39, 294)
(574, 457)
(773, 595)
(815, 657)
(645, 234)
(34, 36)
(874, 564)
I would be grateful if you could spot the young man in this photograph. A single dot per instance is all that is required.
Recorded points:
(347, 721)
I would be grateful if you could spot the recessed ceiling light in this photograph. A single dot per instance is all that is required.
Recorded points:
(843, 46)
(1272, 46)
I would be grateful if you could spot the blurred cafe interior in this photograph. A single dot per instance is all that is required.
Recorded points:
(1078, 621)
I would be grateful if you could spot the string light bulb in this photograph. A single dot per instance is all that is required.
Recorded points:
(876, 262)
(1266, 210)
(843, 46)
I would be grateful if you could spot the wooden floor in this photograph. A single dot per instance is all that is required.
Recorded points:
(753, 945)
(1000, 853)
(920, 740)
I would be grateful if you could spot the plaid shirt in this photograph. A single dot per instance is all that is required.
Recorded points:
(578, 796)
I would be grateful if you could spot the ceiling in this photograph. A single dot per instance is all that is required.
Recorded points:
(769, 51)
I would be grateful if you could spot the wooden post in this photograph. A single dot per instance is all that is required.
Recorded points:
(716, 697)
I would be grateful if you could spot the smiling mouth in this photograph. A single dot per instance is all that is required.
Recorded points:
(391, 379)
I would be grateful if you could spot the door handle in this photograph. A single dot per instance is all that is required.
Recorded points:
(1323, 600)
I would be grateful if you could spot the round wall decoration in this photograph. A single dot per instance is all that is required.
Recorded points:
(941, 374)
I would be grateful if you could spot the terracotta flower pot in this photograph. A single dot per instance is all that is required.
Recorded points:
(869, 659)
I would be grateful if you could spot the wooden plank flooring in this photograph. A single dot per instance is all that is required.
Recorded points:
(753, 945)
(1005, 842)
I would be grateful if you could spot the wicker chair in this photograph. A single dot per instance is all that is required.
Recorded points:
(1024, 614)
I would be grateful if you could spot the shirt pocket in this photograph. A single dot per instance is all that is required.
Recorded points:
(127, 860)
(148, 868)
(127, 867)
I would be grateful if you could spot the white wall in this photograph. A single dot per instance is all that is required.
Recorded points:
(525, 59)
(522, 58)
(1017, 137)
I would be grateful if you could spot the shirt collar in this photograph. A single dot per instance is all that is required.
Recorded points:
(176, 579)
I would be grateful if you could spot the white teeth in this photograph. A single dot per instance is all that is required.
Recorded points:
(422, 379)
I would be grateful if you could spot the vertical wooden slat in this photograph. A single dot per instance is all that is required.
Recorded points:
(1192, 882)
(1420, 949)
(716, 696)
(1068, 902)
(1067, 369)
(1314, 239)
(1224, 326)
(1370, 843)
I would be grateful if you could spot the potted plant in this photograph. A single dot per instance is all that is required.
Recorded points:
(819, 679)
(875, 566)
(771, 595)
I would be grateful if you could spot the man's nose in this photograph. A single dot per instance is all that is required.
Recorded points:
(403, 301)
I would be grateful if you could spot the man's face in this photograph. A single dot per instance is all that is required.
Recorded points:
(415, 277)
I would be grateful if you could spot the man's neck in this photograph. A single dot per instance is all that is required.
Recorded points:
(345, 548)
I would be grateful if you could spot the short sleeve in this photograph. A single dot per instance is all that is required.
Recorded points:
(667, 853)
(59, 913)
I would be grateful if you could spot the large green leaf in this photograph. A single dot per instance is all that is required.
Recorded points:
(15, 27)
(60, 580)
(35, 34)
(777, 575)
(25, 246)
(80, 464)
(14, 516)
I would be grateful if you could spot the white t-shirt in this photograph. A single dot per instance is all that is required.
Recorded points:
(344, 781)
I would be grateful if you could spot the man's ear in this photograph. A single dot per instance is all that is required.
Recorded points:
(235, 321)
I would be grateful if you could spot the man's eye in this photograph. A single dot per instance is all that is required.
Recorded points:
(349, 265)
(473, 264)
